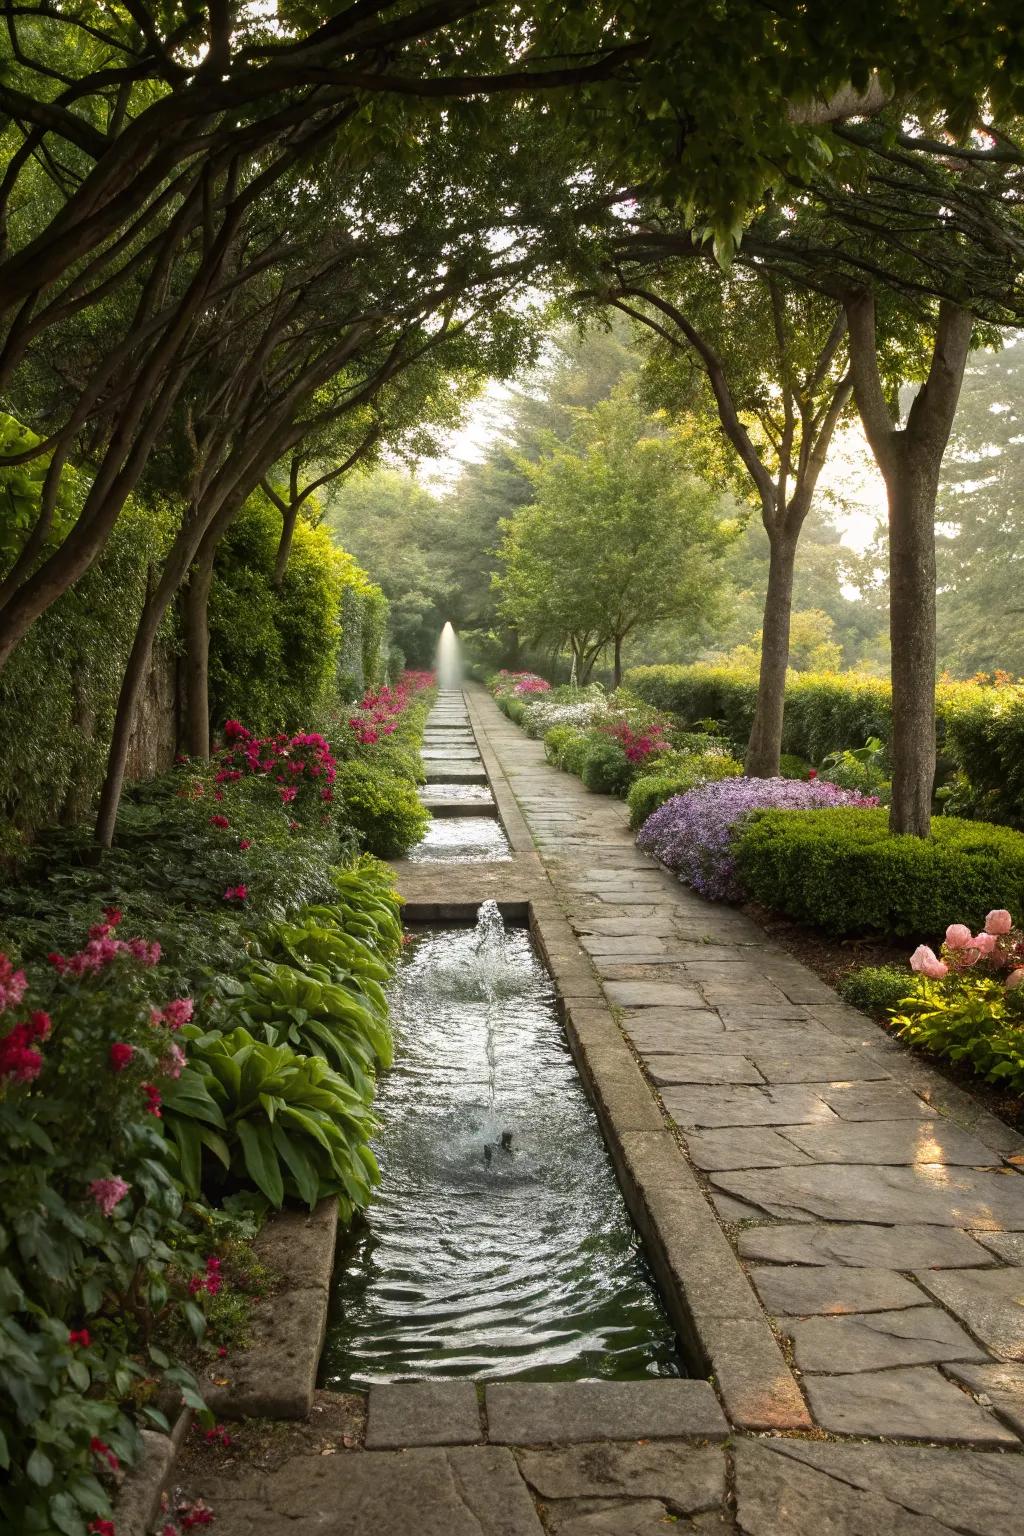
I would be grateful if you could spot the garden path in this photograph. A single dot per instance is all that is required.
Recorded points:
(867, 1214)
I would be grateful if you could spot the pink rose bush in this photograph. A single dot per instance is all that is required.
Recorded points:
(966, 1004)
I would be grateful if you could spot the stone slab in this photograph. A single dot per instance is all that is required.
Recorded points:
(815, 1067)
(684, 1477)
(700, 1068)
(653, 994)
(832, 1289)
(422, 1413)
(981, 1492)
(874, 1101)
(914, 1404)
(905, 1247)
(465, 1491)
(990, 1302)
(877, 1341)
(756, 1384)
(950, 1197)
(890, 1141)
(1008, 1246)
(563, 1413)
(1000, 1387)
(742, 1147)
(741, 1105)
(775, 1497)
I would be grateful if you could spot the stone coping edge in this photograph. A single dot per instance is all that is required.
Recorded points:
(138, 1501)
(276, 1376)
(505, 804)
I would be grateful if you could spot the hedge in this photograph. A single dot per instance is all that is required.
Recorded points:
(980, 727)
(843, 871)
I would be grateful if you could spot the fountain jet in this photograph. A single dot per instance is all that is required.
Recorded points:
(449, 661)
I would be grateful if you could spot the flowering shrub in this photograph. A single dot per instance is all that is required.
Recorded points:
(550, 712)
(673, 773)
(380, 709)
(694, 833)
(300, 768)
(967, 1002)
(94, 1249)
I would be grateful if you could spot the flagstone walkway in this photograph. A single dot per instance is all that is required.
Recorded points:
(873, 1210)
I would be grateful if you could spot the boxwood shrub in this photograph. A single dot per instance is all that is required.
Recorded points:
(605, 768)
(383, 809)
(843, 871)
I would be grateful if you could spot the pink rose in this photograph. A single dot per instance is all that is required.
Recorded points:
(984, 943)
(927, 962)
(1015, 979)
(958, 936)
(998, 921)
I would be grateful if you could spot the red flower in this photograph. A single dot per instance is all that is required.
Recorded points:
(120, 1055)
(812, 773)
(79, 1336)
(245, 844)
(236, 893)
(102, 1528)
(219, 821)
(153, 1100)
(113, 915)
(40, 1024)
(100, 1448)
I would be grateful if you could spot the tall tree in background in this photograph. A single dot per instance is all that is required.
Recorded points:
(773, 359)
(620, 534)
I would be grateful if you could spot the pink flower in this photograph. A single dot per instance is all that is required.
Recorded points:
(984, 943)
(245, 844)
(177, 1013)
(153, 1099)
(998, 921)
(927, 962)
(958, 936)
(236, 893)
(287, 795)
(120, 1055)
(12, 984)
(19, 1060)
(113, 915)
(173, 1061)
(108, 1193)
(79, 1337)
(102, 1449)
(102, 1528)
(1015, 979)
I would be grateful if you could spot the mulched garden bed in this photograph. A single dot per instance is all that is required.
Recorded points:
(832, 958)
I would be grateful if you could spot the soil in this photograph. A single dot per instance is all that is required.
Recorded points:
(832, 958)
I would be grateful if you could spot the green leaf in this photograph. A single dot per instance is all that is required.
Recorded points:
(261, 1160)
(39, 1468)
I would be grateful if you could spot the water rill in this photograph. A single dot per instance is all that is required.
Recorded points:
(498, 1243)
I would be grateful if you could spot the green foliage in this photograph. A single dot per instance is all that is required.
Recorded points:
(59, 690)
(681, 772)
(793, 767)
(984, 736)
(878, 989)
(383, 809)
(970, 1020)
(863, 768)
(21, 490)
(843, 871)
(605, 768)
(557, 740)
(274, 651)
(66, 1259)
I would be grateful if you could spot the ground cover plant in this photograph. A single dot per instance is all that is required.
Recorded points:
(698, 834)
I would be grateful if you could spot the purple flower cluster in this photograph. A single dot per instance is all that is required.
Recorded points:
(693, 833)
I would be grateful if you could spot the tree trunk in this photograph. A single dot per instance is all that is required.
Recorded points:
(912, 487)
(131, 687)
(196, 615)
(289, 517)
(617, 662)
(764, 748)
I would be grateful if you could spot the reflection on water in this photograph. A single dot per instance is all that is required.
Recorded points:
(475, 792)
(497, 1244)
(461, 840)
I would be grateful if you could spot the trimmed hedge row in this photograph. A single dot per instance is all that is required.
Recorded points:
(843, 871)
(980, 728)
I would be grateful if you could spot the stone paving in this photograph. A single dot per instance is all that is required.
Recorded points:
(876, 1210)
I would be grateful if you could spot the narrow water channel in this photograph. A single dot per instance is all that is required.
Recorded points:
(498, 1244)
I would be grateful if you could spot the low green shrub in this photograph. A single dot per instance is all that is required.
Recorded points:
(971, 1020)
(793, 767)
(384, 810)
(843, 871)
(876, 988)
(556, 739)
(574, 753)
(605, 768)
(679, 773)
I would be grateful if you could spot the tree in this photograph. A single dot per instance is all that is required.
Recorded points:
(774, 361)
(620, 535)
